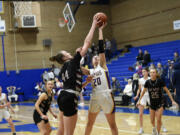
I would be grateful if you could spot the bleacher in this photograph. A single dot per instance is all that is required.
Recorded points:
(160, 52)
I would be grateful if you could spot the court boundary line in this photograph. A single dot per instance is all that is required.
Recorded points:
(99, 127)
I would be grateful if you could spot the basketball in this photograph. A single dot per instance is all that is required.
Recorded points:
(102, 18)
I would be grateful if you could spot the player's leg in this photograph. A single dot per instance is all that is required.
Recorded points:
(9, 120)
(60, 130)
(108, 106)
(152, 117)
(69, 124)
(48, 128)
(112, 123)
(159, 113)
(141, 112)
(42, 127)
(90, 122)
(94, 109)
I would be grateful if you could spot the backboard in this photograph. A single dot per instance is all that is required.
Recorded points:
(68, 15)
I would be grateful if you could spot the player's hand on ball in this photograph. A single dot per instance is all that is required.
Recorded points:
(96, 20)
(103, 26)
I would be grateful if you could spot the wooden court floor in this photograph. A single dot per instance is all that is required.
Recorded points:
(126, 118)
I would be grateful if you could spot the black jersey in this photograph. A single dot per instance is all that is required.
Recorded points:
(45, 104)
(155, 91)
(71, 74)
(44, 107)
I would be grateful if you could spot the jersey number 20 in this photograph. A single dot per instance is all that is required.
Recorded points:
(97, 81)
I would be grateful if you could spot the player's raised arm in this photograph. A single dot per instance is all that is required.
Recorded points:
(101, 47)
(89, 37)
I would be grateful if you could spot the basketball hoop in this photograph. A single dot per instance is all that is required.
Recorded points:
(62, 22)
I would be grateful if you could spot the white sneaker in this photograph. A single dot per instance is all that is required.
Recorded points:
(154, 131)
(140, 131)
(164, 129)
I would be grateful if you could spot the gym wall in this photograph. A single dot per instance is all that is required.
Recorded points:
(30, 51)
(142, 22)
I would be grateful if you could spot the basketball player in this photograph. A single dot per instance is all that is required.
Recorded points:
(42, 106)
(145, 99)
(71, 76)
(101, 94)
(154, 86)
(4, 113)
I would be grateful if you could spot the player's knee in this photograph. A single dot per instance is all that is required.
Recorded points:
(89, 123)
(10, 123)
(45, 132)
(159, 121)
(152, 121)
(141, 114)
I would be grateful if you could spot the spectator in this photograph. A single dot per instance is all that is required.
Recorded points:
(176, 56)
(135, 85)
(127, 93)
(152, 66)
(146, 58)
(176, 81)
(140, 56)
(39, 87)
(159, 69)
(108, 49)
(11, 93)
(138, 68)
(115, 86)
(55, 70)
(169, 77)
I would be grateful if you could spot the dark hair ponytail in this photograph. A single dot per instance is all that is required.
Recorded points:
(58, 58)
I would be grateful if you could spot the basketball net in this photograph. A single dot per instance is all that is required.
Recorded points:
(62, 22)
(22, 8)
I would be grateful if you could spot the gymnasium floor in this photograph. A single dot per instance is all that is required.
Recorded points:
(127, 122)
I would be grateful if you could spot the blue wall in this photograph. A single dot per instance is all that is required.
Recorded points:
(26, 80)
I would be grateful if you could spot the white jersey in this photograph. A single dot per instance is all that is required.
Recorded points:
(142, 82)
(101, 81)
(3, 99)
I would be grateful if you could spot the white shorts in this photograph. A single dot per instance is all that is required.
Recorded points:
(102, 100)
(4, 114)
(145, 100)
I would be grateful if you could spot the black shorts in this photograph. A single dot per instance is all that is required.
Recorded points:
(37, 118)
(67, 103)
(157, 105)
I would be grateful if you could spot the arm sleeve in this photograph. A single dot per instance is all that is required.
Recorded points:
(101, 46)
